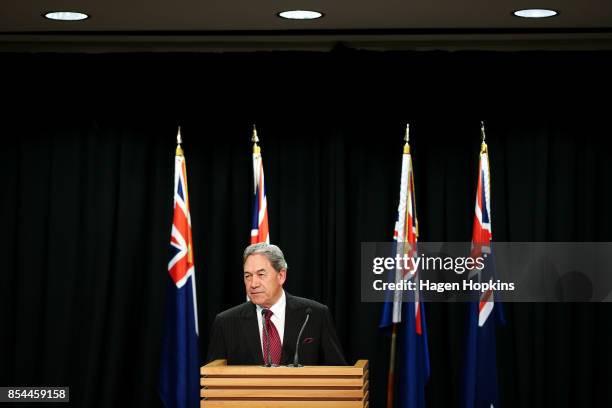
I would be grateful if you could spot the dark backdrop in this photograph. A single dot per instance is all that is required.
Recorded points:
(86, 170)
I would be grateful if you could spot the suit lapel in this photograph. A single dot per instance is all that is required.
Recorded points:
(293, 317)
(250, 330)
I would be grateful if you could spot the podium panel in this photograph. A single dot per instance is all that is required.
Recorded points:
(226, 386)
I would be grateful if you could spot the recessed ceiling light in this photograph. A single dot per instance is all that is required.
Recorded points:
(535, 13)
(66, 15)
(300, 14)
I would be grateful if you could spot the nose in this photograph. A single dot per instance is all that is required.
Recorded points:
(255, 282)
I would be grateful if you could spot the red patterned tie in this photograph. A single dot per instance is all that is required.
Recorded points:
(275, 343)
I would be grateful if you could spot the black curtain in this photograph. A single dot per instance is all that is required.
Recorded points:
(87, 172)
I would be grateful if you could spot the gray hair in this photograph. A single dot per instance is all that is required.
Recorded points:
(272, 252)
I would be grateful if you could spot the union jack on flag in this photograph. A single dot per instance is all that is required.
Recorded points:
(179, 377)
(480, 369)
(259, 229)
(181, 265)
(481, 234)
(407, 316)
(405, 235)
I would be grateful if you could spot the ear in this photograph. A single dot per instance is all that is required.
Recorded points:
(282, 276)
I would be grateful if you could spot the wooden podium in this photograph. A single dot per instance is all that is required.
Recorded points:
(275, 387)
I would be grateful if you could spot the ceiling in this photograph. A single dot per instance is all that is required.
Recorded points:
(253, 24)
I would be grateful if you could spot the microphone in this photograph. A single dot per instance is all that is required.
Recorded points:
(296, 361)
(263, 317)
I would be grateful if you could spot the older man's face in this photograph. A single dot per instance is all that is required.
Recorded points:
(263, 284)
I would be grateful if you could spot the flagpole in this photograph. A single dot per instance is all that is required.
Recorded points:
(485, 150)
(483, 145)
(256, 150)
(393, 353)
(407, 151)
(391, 377)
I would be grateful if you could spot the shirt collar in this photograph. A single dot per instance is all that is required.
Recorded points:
(278, 309)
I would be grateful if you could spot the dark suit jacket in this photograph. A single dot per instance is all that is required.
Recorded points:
(235, 335)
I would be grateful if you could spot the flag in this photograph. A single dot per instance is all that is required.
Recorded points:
(259, 226)
(407, 316)
(480, 368)
(180, 372)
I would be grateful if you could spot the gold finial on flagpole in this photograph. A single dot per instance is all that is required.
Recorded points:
(407, 139)
(179, 140)
(482, 130)
(255, 139)
(483, 146)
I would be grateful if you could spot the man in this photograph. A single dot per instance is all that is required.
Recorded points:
(272, 319)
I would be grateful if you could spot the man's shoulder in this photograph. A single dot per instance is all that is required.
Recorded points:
(305, 302)
(243, 309)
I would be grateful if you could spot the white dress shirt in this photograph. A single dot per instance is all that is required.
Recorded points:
(278, 318)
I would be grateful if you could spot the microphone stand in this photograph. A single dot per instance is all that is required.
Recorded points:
(296, 361)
